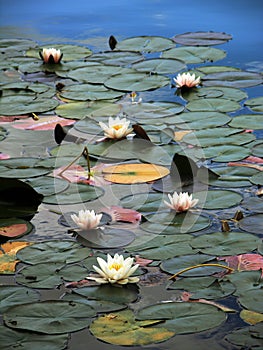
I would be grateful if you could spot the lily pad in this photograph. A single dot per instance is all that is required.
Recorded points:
(218, 199)
(81, 110)
(252, 223)
(14, 228)
(201, 120)
(237, 79)
(145, 44)
(252, 300)
(16, 295)
(8, 256)
(225, 153)
(29, 341)
(213, 105)
(247, 121)
(160, 66)
(54, 251)
(75, 193)
(48, 185)
(122, 329)
(193, 54)
(49, 317)
(214, 92)
(225, 243)
(255, 104)
(136, 81)
(116, 58)
(184, 317)
(247, 336)
(202, 38)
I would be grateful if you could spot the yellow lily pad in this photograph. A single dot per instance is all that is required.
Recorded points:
(8, 258)
(134, 173)
(251, 317)
(122, 329)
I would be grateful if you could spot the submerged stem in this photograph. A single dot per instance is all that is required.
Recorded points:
(200, 265)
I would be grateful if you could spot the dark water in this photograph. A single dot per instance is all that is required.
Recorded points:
(92, 22)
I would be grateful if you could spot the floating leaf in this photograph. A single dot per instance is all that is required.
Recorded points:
(8, 257)
(192, 54)
(116, 58)
(16, 295)
(251, 317)
(218, 199)
(256, 104)
(54, 251)
(225, 243)
(213, 105)
(122, 329)
(184, 317)
(202, 38)
(237, 79)
(47, 185)
(136, 82)
(252, 300)
(50, 317)
(160, 66)
(134, 173)
(145, 44)
(252, 223)
(30, 341)
(225, 153)
(75, 193)
(250, 337)
(14, 228)
(247, 121)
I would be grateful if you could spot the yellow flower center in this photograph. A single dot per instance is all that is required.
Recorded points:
(115, 266)
(117, 127)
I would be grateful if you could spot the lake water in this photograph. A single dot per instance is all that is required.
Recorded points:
(92, 22)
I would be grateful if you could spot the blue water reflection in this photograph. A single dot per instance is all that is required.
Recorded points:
(81, 19)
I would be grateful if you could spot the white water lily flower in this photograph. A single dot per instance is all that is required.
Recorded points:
(87, 219)
(51, 55)
(181, 202)
(186, 80)
(115, 270)
(117, 128)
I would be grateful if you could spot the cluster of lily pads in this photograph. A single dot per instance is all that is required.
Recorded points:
(152, 162)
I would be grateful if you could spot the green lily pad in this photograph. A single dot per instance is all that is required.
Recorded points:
(213, 105)
(91, 92)
(250, 337)
(136, 81)
(245, 281)
(247, 121)
(49, 317)
(49, 276)
(145, 44)
(111, 293)
(218, 199)
(176, 264)
(160, 66)
(144, 202)
(257, 179)
(201, 120)
(122, 329)
(255, 104)
(48, 185)
(225, 153)
(237, 79)
(193, 54)
(202, 38)
(16, 295)
(54, 252)
(257, 150)
(15, 45)
(75, 193)
(81, 110)
(169, 223)
(252, 300)
(30, 341)
(23, 104)
(219, 136)
(184, 317)
(225, 243)
(254, 204)
(97, 74)
(164, 247)
(214, 92)
(116, 58)
(207, 287)
(252, 223)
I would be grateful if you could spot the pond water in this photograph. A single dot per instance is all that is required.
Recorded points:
(90, 23)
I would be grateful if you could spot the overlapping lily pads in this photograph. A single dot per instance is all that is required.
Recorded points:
(145, 44)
